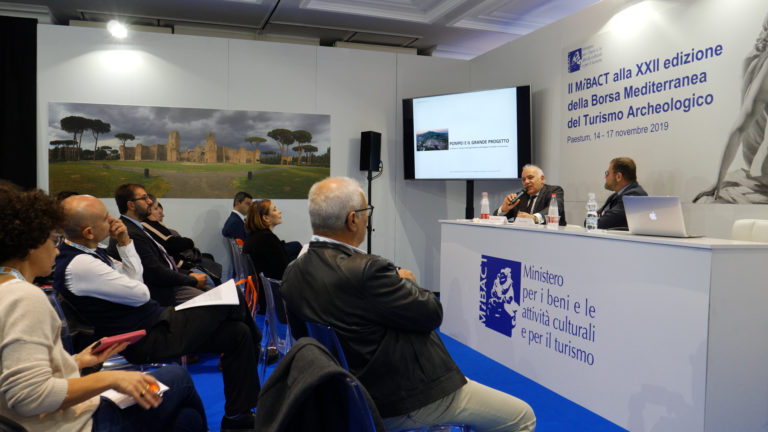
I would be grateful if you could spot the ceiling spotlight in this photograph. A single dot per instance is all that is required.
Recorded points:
(117, 29)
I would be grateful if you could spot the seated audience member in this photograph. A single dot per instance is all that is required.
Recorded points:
(621, 178)
(266, 250)
(182, 249)
(112, 297)
(534, 203)
(167, 283)
(156, 217)
(234, 227)
(170, 239)
(41, 384)
(386, 323)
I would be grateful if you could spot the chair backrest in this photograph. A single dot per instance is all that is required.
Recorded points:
(360, 416)
(750, 229)
(326, 335)
(236, 253)
(310, 391)
(8, 425)
(80, 329)
(271, 314)
(66, 337)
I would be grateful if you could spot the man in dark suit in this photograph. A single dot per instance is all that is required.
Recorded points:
(534, 202)
(234, 227)
(167, 283)
(621, 178)
(111, 296)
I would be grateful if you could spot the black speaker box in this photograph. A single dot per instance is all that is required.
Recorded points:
(370, 150)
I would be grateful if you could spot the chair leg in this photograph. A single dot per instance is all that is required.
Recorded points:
(264, 352)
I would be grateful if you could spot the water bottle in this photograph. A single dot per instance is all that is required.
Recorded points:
(591, 222)
(553, 214)
(485, 207)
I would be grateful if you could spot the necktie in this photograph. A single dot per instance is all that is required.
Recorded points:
(168, 258)
(608, 204)
(531, 202)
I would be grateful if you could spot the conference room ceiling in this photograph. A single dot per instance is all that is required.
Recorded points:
(445, 28)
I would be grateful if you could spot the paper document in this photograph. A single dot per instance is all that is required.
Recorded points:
(224, 294)
(123, 400)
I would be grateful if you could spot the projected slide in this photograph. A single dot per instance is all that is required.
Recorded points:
(467, 135)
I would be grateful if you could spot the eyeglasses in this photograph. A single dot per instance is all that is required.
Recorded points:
(368, 209)
(56, 238)
(606, 173)
(142, 198)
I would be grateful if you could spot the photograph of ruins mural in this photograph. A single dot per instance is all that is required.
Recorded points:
(185, 152)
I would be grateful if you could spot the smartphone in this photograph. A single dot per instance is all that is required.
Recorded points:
(107, 342)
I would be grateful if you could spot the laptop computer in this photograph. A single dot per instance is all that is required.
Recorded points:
(655, 215)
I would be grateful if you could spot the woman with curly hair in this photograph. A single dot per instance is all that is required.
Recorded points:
(40, 383)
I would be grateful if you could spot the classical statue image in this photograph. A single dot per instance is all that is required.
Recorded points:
(503, 307)
(747, 184)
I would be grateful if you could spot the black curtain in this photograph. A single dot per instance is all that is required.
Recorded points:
(18, 98)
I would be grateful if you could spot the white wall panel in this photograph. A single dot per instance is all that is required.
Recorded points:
(357, 88)
(419, 204)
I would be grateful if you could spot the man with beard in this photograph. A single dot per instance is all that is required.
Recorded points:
(621, 178)
(168, 285)
(110, 295)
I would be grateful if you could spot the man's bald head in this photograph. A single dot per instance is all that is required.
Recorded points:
(80, 212)
(332, 202)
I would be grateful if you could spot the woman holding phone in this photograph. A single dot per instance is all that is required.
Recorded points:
(40, 383)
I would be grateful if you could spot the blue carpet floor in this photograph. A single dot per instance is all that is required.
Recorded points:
(553, 412)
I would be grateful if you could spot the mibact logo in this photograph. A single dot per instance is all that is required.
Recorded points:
(574, 60)
(499, 293)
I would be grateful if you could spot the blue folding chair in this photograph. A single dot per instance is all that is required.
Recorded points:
(272, 326)
(326, 335)
(236, 254)
(360, 417)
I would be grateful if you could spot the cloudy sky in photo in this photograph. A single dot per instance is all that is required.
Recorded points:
(151, 125)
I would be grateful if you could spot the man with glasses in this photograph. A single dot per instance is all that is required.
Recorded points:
(111, 296)
(386, 323)
(167, 283)
(621, 178)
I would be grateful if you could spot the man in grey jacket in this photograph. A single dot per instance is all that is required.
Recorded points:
(386, 323)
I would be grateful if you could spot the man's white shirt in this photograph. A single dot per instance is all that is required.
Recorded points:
(88, 275)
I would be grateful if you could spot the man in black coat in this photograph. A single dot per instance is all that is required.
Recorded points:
(534, 202)
(621, 178)
(386, 323)
(167, 284)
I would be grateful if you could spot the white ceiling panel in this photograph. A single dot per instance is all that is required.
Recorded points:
(451, 28)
